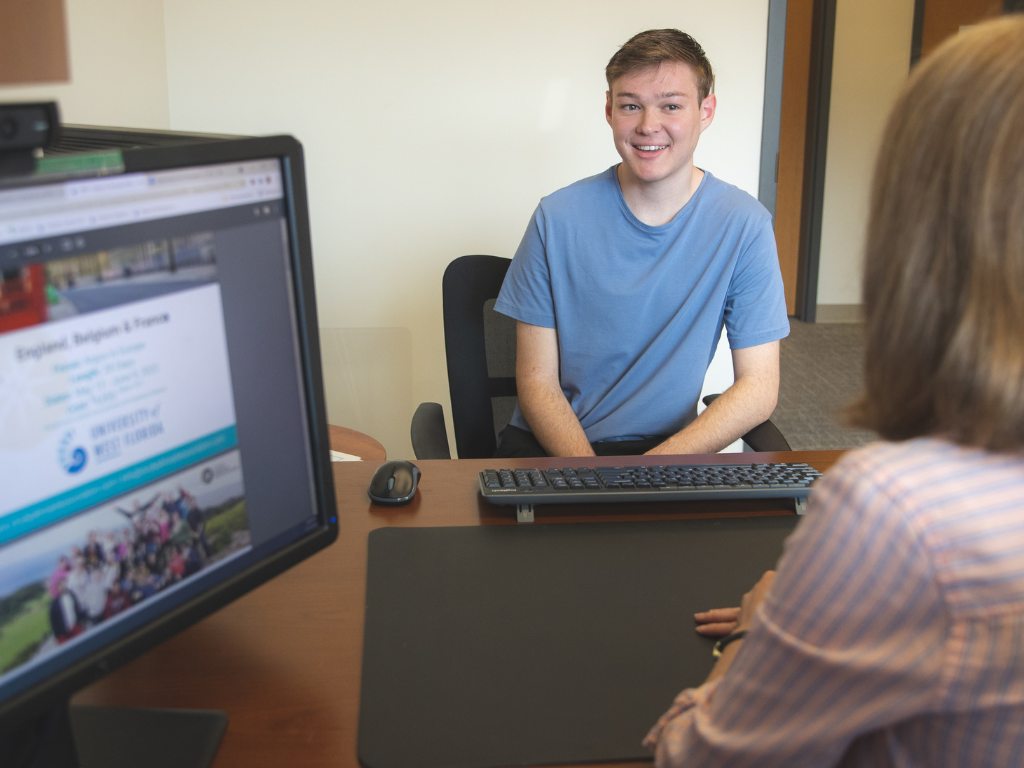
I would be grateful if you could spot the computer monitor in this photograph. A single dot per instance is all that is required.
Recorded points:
(163, 439)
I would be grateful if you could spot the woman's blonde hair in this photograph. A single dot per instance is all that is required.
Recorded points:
(944, 267)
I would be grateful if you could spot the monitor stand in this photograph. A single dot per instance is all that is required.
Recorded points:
(118, 737)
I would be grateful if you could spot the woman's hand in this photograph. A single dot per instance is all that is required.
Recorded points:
(752, 599)
(720, 622)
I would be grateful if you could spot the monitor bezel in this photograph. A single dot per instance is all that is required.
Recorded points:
(58, 688)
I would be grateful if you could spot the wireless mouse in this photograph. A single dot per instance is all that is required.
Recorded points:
(394, 483)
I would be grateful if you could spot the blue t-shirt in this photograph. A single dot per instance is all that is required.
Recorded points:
(639, 309)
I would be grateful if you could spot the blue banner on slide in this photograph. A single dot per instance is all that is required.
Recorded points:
(34, 516)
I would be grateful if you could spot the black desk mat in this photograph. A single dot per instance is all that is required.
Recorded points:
(542, 644)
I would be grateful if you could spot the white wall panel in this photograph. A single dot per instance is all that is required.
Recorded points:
(870, 63)
(431, 130)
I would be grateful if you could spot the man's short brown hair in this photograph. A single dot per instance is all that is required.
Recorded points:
(944, 263)
(655, 46)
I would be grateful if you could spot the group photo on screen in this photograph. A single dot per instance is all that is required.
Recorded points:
(62, 581)
(61, 288)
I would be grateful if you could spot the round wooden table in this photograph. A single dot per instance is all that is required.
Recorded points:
(349, 441)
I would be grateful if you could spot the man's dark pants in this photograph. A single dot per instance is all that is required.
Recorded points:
(515, 443)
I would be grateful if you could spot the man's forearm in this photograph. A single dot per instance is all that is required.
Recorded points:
(552, 419)
(747, 403)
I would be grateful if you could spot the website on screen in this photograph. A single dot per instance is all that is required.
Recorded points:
(120, 474)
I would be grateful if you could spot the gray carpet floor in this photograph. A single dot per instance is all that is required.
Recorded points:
(820, 366)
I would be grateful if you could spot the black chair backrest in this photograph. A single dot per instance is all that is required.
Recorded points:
(480, 348)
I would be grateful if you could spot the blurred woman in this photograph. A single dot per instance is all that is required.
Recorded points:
(893, 633)
(61, 573)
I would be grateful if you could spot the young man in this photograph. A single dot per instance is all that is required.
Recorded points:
(622, 282)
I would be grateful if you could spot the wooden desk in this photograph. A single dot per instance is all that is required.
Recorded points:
(284, 661)
(349, 441)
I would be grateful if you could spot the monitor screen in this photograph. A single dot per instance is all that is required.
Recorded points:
(162, 438)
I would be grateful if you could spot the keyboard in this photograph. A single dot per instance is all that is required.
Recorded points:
(681, 482)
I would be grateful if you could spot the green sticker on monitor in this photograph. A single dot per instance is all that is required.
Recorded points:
(97, 163)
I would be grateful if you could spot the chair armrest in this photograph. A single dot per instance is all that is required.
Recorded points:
(766, 437)
(762, 438)
(429, 436)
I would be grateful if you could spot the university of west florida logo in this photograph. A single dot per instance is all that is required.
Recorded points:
(72, 457)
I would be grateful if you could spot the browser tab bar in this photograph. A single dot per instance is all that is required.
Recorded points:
(83, 205)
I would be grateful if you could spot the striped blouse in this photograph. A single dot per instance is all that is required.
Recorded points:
(894, 632)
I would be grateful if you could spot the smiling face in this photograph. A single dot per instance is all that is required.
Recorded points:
(656, 119)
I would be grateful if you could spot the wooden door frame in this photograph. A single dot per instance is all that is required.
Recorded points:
(819, 95)
(815, 139)
(917, 45)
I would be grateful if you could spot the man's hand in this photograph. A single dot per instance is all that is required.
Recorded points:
(747, 403)
(541, 399)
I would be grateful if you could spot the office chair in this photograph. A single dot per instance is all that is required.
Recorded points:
(480, 349)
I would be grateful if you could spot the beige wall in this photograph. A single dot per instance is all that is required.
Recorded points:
(431, 130)
(870, 63)
(117, 65)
